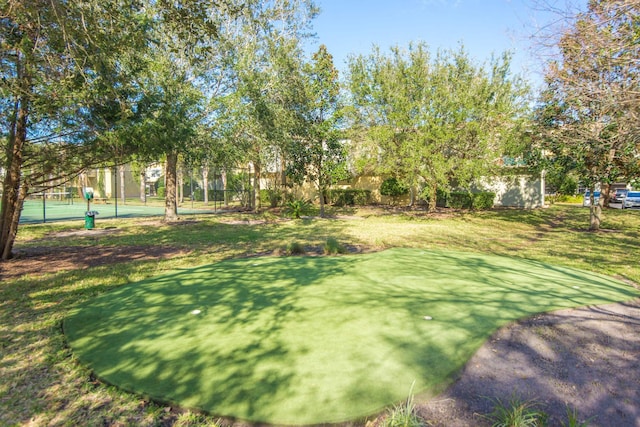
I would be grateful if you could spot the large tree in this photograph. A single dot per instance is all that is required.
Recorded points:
(234, 66)
(589, 113)
(187, 66)
(77, 75)
(316, 152)
(65, 69)
(271, 95)
(435, 122)
(170, 111)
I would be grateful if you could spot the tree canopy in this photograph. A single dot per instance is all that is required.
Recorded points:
(435, 121)
(82, 80)
(316, 152)
(66, 72)
(589, 111)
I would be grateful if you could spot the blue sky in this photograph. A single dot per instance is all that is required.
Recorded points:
(482, 26)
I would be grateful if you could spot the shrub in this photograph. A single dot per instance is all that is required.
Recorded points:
(271, 196)
(564, 198)
(468, 200)
(295, 248)
(349, 197)
(483, 200)
(394, 188)
(297, 208)
(216, 195)
(459, 200)
(333, 247)
(160, 192)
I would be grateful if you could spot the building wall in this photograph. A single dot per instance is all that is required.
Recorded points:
(522, 191)
(102, 181)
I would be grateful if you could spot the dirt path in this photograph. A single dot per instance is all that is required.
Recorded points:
(586, 358)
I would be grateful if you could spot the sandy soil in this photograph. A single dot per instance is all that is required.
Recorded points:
(586, 358)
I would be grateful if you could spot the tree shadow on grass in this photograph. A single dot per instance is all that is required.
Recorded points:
(313, 340)
(208, 338)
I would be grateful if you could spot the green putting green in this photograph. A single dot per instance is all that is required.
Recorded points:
(309, 340)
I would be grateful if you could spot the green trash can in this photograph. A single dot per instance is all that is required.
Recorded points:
(90, 219)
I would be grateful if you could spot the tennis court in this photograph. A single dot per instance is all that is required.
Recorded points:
(39, 210)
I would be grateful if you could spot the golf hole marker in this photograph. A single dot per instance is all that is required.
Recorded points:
(428, 318)
(196, 311)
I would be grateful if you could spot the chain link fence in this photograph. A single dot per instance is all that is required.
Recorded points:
(125, 192)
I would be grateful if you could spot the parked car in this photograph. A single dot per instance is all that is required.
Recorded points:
(587, 200)
(632, 200)
(619, 196)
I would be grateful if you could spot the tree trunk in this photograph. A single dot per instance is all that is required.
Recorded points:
(595, 210)
(321, 202)
(432, 198)
(180, 185)
(256, 187)
(171, 195)
(595, 217)
(14, 190)
(412, 196)
(604, 195)
(205, 185)
(122, 184)
(143, 186)
(223, 175)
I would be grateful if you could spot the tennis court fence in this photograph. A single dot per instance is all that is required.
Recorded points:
(118, 194)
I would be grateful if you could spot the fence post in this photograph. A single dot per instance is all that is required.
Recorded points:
(115, 189)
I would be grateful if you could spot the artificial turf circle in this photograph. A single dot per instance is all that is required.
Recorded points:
(309, 340)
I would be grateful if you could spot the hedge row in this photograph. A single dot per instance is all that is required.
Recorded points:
(466, 200)
(349, 197)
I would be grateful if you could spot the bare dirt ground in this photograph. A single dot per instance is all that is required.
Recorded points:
(42, 260)
(586, 358)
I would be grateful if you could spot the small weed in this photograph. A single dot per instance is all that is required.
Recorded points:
(190, 419)
(333, 247)
(516, 413)
(573, 420)
(295, 248)
(403, 415)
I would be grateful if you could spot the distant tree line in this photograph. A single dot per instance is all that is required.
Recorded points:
(104, 83)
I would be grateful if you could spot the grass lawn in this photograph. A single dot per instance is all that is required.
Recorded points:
(270, 321)
(315, 340)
